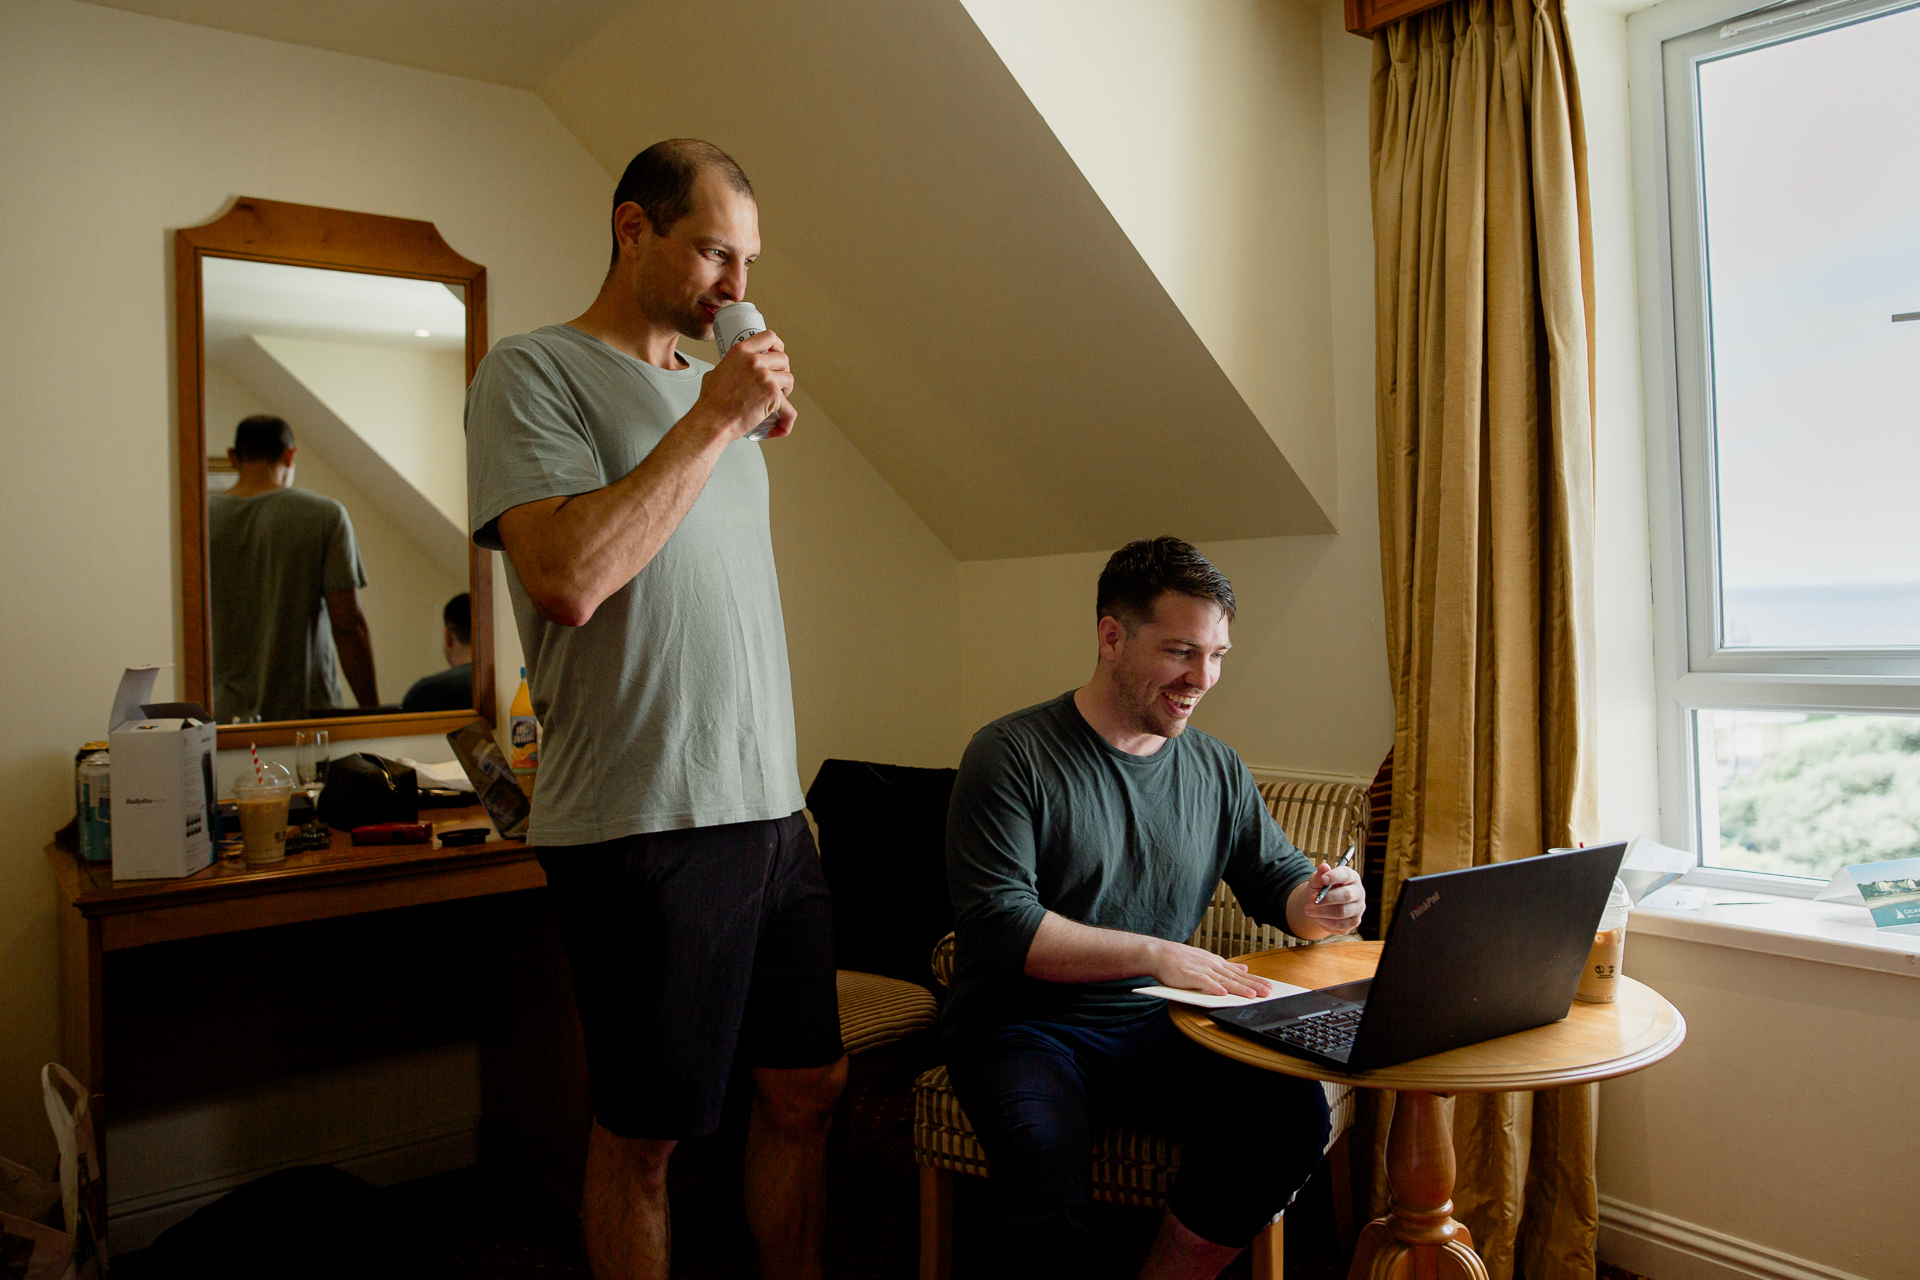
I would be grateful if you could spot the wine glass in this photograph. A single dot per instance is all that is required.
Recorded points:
(311, 757)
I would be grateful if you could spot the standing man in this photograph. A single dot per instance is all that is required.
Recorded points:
(614, 473)
(285, 579)
(1084, 841)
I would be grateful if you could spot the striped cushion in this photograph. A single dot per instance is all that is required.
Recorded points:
(1322, 819)
(876, 1010)
(1130, 1165)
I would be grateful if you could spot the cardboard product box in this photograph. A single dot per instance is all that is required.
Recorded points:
(162, 783)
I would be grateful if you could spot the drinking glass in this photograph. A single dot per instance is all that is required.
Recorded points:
(310, 757)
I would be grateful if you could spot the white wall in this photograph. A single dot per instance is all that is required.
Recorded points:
(408, 405)
(868, 595)
(1623, 590)
(1200, 125)
(1306, 685)
(1776, 1124)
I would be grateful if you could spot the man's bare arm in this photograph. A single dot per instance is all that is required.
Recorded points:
(1066, 951)
(572, 553)
(354, 641)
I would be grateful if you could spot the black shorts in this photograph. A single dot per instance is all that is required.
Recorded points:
(690, 948)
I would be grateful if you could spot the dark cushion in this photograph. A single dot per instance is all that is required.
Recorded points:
(883, 831)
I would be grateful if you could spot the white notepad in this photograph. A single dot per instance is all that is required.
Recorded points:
(1206, 1001)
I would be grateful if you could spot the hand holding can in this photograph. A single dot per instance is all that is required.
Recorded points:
(731, 323)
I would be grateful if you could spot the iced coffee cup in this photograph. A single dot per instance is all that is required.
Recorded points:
(262, 799)
(1600, 980)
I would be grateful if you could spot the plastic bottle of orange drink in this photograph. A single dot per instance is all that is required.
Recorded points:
(523, 737)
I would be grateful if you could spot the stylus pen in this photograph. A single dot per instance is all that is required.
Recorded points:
(1346, 859)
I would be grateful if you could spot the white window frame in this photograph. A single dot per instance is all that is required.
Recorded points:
(1692, 672)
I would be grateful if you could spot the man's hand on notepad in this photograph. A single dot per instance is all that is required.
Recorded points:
(1192, 969)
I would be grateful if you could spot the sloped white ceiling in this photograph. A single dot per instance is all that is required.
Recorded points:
(951, 287)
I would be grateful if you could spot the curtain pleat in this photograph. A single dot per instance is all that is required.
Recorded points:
(1484, 308)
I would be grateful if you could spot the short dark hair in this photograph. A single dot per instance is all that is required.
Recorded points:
(660, 180)
(458, 617)
(1142, 571)
(262, 438)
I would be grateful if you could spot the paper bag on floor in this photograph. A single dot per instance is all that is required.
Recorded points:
(82, 1196)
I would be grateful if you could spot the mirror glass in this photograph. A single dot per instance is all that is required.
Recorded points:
(334, 548)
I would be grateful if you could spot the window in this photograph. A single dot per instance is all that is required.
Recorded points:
(1785, 433)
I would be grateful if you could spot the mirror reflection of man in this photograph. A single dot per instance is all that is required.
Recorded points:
(286, 578)
(613, 471)
(452, 689)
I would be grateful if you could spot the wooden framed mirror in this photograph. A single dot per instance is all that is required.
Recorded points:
(317, 559)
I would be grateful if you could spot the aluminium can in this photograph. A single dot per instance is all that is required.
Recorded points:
(93, 802)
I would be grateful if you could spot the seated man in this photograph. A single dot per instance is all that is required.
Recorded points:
(1084, 841)
(452, 689)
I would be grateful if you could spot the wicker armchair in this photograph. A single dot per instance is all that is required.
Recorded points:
(1134, 1166)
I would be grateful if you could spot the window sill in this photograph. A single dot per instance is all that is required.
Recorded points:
(1824, 932)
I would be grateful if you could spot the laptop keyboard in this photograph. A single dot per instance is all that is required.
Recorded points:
(1328, 1033)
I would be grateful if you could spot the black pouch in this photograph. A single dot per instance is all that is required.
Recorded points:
(363, 789)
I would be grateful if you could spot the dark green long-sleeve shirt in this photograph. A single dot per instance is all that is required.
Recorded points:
(1049, 816)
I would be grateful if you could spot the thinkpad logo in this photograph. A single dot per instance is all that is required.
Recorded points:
(1422, 908)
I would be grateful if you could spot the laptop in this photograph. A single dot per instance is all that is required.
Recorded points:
(1471, 955)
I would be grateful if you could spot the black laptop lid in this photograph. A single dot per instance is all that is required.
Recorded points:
(1484, 952)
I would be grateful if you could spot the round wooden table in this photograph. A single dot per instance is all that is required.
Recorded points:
(1419, 1236)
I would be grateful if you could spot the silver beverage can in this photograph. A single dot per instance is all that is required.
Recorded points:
(93, 802)
(731, 323)
(735, 321)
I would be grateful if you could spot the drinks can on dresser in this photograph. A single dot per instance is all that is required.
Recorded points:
(93, 804)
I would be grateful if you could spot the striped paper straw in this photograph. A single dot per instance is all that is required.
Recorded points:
(258, 772)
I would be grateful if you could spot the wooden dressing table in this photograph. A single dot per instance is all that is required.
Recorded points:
(199, 1014)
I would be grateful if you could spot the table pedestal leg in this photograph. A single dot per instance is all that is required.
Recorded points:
(1418, 1237)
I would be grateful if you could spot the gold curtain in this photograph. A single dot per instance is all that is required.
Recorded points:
(1484, 308)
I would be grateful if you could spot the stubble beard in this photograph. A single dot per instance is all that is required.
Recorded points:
(1147, 722)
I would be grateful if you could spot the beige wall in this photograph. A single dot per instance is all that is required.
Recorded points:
(1306, 686)
(409, 406)
(868, 595)
(1200, 125)
(1623, 591)
(1781, 1121)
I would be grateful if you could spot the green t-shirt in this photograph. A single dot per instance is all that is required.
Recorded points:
(671, 707)
(1049, 816)
(272, 559)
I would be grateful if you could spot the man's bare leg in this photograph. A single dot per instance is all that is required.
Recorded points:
(623, 1206)
(1178, 1254)
(786, 1165)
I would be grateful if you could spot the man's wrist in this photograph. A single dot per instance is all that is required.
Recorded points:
(706, 428)
(1299, 923)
